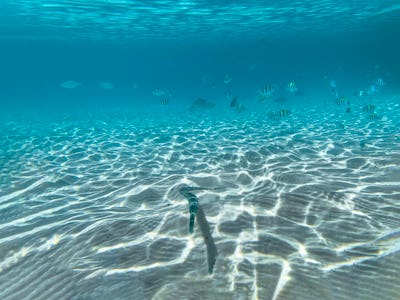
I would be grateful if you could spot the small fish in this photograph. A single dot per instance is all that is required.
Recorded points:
(369, 108)
(372, 90)
(373, 117)
(282, 113)
(106, 85)
(291, 87)
(201, 104)
(265, 92)
(70, 84)
(380, 82)
(234, 102)
(160, 92)
(332, 84)
(193, 205)
(279, 114)
(227, 79)
(341, 100)
(164, 101)
(240, 108)
(360, 93)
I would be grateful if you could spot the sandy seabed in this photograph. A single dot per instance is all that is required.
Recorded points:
(298, 208)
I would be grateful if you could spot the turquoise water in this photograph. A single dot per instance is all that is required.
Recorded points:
(273, 124)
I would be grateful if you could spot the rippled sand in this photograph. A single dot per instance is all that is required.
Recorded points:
(299, 208)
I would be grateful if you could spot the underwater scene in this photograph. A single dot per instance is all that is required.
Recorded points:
(162, 149)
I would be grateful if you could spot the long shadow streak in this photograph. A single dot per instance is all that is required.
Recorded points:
(208, 239)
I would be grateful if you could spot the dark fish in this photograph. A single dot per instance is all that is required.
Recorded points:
(164, 101)
(369, 108)
(380, 82)
(212, 252)
(234, 102)
(193, 205)
(201, 103)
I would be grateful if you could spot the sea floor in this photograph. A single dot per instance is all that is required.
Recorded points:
(303, 207)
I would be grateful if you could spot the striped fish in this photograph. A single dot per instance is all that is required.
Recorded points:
(160, 92)
(164, 100)
(369, 108)
(193, 205)
(380, 82)
(282, 113)
(373, 117)
(279, 114)
(341, 100)
(291, 87)
(265, 92)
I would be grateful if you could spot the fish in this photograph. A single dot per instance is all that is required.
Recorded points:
(234, 102)
(201, 103)
(373, 117)
(227, 79)
(193, 205)
(106, 85)
(341, 100)
(360, 93)
(240, 108)
(265, 92)
(282, 113)
(291, 87)
(332, 84)
(164, 101)
(160, 92)
(369, 108)
(70, 84)
(279, 114)
(372, 90)
(380, 82)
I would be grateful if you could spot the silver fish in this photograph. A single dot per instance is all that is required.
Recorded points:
(70, 84)
(106, 85)
(291, 87)
(160, 92)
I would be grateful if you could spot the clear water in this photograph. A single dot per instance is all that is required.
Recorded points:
(103, 135)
